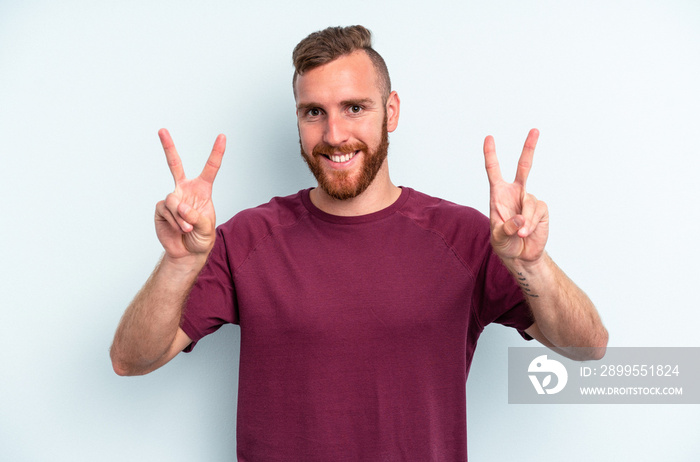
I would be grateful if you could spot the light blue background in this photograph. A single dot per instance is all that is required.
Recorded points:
(85, 85)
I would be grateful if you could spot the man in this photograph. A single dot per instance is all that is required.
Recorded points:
(359, 303)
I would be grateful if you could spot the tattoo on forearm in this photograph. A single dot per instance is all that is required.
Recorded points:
(522, 280)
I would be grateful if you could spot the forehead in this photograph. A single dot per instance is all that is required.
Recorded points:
(348, 77)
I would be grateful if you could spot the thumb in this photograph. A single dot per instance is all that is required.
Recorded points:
(189, 214)
(502, 239)
(512, 226)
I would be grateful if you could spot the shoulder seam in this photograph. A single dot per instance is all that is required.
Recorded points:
(469, 270)
(444, 240)
(267, 236)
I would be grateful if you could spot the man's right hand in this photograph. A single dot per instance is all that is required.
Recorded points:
(149, 334)
(185, 220)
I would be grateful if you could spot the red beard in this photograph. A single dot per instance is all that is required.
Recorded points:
(340, 184)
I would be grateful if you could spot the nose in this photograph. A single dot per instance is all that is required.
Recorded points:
(336, 131)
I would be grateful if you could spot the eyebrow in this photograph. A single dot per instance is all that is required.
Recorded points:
(358, 102)
(306, 106)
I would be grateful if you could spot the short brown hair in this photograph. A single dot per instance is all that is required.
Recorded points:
(326, 45)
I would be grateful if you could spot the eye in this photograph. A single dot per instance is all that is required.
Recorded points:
(314, 112)
(355, 109)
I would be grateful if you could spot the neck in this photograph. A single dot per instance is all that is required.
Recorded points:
(378, 195)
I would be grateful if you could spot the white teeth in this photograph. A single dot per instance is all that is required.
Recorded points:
(343, 158)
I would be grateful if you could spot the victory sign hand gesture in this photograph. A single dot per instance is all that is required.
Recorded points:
(185, 220)
(519, 222)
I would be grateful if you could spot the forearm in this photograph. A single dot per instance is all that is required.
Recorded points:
(150, 323)
(564, 315)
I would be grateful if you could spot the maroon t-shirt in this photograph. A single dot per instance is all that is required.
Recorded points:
(357, 333)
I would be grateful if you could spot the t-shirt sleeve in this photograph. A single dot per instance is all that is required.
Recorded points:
(211, 302)
(498, 296)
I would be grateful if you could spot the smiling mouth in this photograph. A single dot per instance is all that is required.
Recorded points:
(342, 158)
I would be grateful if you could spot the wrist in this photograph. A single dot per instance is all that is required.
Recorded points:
(538, 266)
(182, 267)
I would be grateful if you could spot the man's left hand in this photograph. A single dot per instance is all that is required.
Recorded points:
(519, 222)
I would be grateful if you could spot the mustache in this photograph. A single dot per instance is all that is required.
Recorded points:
(325, 149)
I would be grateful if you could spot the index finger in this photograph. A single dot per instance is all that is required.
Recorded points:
(211, 168)
(493, 170)
(171, 155)
(525, 161)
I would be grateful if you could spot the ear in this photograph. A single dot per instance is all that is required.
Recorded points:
(393, 105)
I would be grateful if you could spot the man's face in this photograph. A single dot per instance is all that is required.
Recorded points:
(344, 124)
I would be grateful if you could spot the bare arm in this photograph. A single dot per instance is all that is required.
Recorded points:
(565, 318)
(149, 333)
